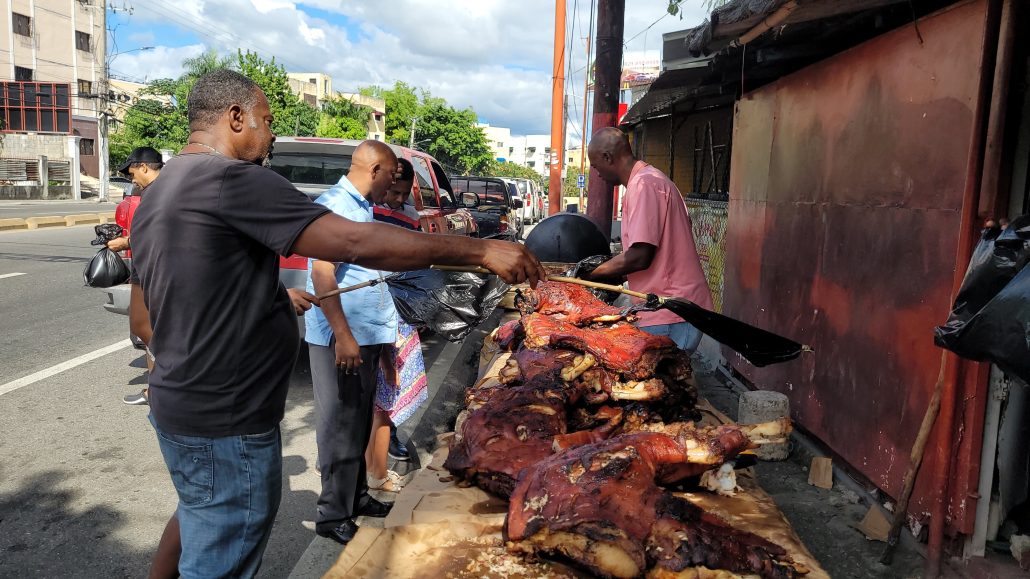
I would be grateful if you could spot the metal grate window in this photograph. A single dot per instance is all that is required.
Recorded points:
(22, 24)
(21, 73)
(82, 41)
(85, 88)
(87, 147)
(41, 107)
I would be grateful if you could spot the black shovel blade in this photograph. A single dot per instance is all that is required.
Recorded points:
(758, 346)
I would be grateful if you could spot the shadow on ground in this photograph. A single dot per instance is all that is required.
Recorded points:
(61, 542)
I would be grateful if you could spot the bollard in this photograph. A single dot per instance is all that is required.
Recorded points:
(763, 406)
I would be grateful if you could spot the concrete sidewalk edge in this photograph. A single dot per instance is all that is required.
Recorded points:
(18, 223)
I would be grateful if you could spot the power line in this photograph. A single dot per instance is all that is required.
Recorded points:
(649, 27)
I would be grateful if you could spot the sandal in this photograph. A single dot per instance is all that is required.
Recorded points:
(391, 483)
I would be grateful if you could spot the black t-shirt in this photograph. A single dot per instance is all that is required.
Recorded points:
(205, 241)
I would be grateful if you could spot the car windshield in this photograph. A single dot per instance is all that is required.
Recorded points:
(490, 192)
(307, 169)
(523, 187)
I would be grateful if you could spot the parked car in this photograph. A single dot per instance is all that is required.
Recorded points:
(496, 212)
(530, 196)
(314, 165)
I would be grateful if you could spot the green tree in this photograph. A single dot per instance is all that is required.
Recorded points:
(570, 187)
(292, 115)
(402, 105)
(343, 119)
(452, 136)
(509, 169)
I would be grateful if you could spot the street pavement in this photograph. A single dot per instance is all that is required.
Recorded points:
(83, 489)
(24, 209)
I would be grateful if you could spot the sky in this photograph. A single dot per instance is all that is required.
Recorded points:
(492, 55)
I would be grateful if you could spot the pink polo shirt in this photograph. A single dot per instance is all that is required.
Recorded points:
(653, 212)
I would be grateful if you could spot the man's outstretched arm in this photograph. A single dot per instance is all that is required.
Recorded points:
(390, 248)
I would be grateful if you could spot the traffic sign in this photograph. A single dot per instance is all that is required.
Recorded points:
(581, 181)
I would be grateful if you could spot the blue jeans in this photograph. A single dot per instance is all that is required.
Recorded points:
(686, 336)
(229, 490)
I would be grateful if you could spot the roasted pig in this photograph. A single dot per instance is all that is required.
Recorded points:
(507, 430)
(622, 347)
(569, 302)
(600, 506)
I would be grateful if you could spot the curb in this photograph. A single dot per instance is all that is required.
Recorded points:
(17, 223)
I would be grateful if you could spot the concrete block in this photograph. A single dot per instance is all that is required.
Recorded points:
(106, 217)
(10, 224)
(83, 219)
(764, 406)
(37, 222)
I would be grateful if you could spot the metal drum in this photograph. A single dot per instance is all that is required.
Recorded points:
(567, 238)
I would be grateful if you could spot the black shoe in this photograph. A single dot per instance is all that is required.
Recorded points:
(139, 399)
(397, 450)
(342, 533)
(374, 508)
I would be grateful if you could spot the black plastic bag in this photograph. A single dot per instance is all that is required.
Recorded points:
(990, 320)
(449, 303)
(106, 232)
(106, 269)
(585, 267)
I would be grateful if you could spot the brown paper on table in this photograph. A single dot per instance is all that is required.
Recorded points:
(821, 472)
(438, 529)
(875, 526)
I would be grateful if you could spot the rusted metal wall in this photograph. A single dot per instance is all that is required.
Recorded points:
(846, 186)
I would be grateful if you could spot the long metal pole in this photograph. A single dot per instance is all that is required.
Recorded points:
(586, 93)
(554, 193)
(944, 451)
(607, 77)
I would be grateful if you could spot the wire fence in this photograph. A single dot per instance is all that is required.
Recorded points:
(708, 221)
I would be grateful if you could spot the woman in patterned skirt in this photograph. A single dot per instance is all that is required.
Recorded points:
(402, 376)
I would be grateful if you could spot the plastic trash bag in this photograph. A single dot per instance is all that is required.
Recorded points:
(106, 232)
(447, 302)
(106, 269)
(990, 320)
(585, 267)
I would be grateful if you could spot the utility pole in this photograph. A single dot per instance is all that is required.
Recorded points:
(554, 193)
(411, 138)
(586, 93)
(607, 79)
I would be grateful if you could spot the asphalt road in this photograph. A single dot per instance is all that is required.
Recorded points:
(25, 209)
(83, 490)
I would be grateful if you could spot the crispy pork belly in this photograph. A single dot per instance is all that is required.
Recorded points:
(569, 302)
(600, 506)
(622, 347)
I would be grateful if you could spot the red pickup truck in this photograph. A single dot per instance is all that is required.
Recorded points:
(316, 164)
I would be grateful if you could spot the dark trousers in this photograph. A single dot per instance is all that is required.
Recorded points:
(343, 427)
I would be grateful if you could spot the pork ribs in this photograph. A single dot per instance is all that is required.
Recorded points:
(569, 302)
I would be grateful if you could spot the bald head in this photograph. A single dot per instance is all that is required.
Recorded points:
(611, 155)
(371, 152)
(373, 169)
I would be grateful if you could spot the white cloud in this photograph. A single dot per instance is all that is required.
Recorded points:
(161, 62)
(492, 55)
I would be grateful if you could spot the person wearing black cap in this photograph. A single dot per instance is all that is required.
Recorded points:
(142, 166)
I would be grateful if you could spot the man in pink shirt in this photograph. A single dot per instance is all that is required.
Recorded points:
(659, 256)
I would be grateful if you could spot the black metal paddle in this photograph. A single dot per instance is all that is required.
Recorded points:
(758, 346)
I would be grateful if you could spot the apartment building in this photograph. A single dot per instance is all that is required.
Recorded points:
(500, 141)
(312, 87)
(533, 151)
(376, 113)
(52, 75)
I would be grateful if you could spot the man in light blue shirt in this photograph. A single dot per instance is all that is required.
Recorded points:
(346, 337)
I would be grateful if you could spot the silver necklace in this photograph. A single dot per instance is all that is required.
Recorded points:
(206, 146)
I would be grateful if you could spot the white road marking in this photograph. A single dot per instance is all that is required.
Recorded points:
(6, 275)
(63, 366)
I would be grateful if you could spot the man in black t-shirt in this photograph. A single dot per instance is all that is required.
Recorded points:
(206, 241)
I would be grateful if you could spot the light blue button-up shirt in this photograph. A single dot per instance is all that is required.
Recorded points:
(370, 312)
